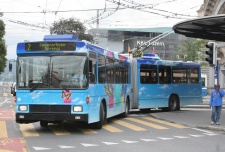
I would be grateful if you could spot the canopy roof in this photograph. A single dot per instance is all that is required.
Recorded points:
(210, 27)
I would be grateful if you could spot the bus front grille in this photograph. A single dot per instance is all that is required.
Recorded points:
(50, 109)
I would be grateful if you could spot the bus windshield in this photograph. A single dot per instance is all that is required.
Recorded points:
(52, 72)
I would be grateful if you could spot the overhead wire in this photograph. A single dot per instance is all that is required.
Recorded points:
(93, 19)
(138, 6)
(57, 9)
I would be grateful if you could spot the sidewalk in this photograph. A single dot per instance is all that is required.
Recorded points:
(205, 105)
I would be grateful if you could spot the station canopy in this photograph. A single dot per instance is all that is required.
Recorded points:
(210, 28)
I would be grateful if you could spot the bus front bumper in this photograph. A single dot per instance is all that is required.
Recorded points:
(29, 118)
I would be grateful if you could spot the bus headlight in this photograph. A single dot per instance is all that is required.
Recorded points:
(23, 108)
(77, 109)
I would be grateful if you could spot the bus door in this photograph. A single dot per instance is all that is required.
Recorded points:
(147, 86)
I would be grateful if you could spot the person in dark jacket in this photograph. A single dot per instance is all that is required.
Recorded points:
(216, 104)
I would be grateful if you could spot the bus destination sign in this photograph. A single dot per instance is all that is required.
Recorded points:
(50, 46)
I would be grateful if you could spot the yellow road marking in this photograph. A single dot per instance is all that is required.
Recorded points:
(58, 130)
(165, 122)
(146, 123)
(2, 150)
(87, 131)
(128, 125)
(28, 130)
(6, 117)
(111, 128)
(3, 130)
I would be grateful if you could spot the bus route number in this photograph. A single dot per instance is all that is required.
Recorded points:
(50, 46)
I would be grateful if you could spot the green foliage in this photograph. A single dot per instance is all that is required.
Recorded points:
(193, 50)
(3, 50)
(70, 26)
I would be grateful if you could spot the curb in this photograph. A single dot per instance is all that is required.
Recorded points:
(211, 128)
(205, 106)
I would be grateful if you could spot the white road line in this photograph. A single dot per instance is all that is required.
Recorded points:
(66, 147)
(163, 138)
(4, 101)
(181, 137)
(210, 134)
(196, 135)
(205, 131)
(148, 139)
(88, 145)
(130, 142)
(41, 148)
(110, 143)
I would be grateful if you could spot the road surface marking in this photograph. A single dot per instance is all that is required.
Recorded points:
(87, 131)
(111, 128)
(58, 130)
(209, 132)
(146, 123)
(165, 122)
(164, 138)
(110, 143)
(196, 135)
(28, 130)
(128, 125)
(3, 130)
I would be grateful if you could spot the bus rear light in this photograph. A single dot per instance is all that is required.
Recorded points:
(77, 109)
(87, 100)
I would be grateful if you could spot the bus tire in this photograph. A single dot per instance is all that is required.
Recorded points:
(126, 113)
(102, 118)
(43, 124)
(173, 103)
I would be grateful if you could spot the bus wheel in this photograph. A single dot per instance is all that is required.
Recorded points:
(173, 103)
(102, 119)
(43, 124)
(126, 113)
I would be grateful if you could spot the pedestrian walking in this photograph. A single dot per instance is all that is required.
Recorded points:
(216, 104)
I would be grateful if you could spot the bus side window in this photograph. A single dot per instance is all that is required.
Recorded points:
(101, 69)
(92, 68)
(91, 76)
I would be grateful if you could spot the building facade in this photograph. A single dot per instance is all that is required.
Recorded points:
(123, 40)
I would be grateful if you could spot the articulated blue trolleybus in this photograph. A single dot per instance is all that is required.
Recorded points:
(63, 79)
(163, 84)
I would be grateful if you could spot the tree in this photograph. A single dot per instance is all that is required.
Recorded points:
(193, 50)
(70, 26)
(3, 50)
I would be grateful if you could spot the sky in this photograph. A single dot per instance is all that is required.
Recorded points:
(29, 20)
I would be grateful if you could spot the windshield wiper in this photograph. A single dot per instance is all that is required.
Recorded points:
(39, 83)
(35, 86)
